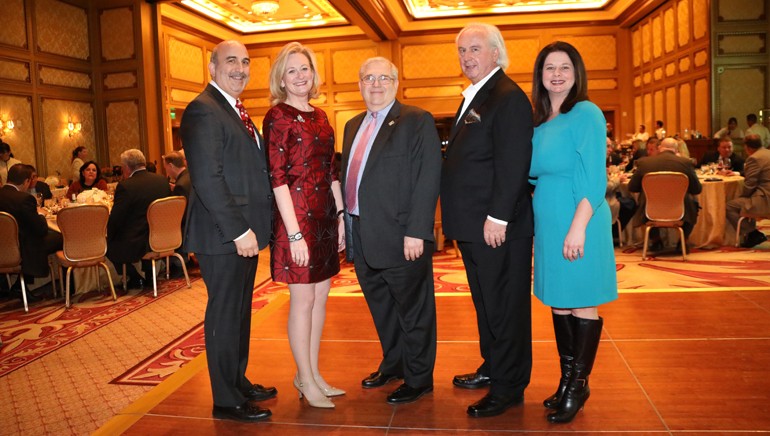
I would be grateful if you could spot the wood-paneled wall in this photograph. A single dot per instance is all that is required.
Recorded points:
(671, 68)
(80, 61)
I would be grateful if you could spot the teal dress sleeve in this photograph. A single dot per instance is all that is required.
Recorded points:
(589, 136)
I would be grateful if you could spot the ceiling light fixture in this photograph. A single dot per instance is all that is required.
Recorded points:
(265, 7)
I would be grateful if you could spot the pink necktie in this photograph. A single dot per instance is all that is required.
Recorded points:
(246, 119)
(351, 186)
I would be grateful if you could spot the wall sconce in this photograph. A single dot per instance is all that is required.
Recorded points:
(6, 127)
(73, 128)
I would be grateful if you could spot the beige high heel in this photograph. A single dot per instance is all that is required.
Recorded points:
(331, 391)
(325, 403)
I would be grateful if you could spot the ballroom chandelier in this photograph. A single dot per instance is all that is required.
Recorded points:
(265, 7)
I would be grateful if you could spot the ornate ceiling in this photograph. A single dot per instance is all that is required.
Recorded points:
(390, 19)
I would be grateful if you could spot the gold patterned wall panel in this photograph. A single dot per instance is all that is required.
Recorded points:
(647, 78)
(657, 73)
(637, 111)
(646, 43)
(259, 72)
(117, 33)
(702, 105)
(685, 108)
(636, 47)
(14, 26)
(120, 80)
(671, 116)
(433, 92)
(684, 64)
(251, 103)
(742, 44)
(340, 119)
(14, 70)
(320, 100)
(683, 22)
(669, 30)
(58, 77)
(657, 99)
(700, 18)
(346, 63)
(637, 81)
(183, 96)
(598, 52)
(61, 29)
(122, 128)
(521, 55)
(700, 58)
(22, 137)
(657, 37)
(320, 63)
(741, 91)
(185, 61)
(425, 61)
(647, 118)
(58, 144)
(741, 10)
(670, 69)
(347, 97)
(602, 84)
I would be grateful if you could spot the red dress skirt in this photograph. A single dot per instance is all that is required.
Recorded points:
(301, 155)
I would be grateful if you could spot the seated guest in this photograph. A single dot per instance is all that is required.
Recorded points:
(667, 160)
(637, 152)
(127, 229)
(90, 178)
(35, 239)
(652, 146)
(731, 131)
(755, 198)
(174, 164)
(6, 161)
(613, 158)
(39, 186)
(724, 151)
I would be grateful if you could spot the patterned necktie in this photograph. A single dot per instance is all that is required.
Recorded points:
(351, 186)
(246, 119)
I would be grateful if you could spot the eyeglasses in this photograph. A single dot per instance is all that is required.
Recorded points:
(369, 79)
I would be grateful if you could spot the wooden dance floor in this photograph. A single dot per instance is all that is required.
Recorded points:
(669, 362)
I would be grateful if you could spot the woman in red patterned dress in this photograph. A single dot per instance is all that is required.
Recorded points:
(308, 230)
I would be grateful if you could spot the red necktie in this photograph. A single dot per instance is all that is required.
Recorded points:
(351, 186)
(246, 119)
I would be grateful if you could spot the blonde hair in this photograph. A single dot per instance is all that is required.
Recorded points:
(277, 92)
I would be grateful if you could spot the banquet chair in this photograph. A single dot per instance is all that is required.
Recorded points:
(620, 232)
(10, 252)
(84, 230)
(664, 193)
(165, 219)
(747, 216)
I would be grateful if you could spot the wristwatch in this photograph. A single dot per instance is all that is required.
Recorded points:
(295, 237)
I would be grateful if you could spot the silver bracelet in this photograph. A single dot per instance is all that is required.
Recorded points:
(295, 237)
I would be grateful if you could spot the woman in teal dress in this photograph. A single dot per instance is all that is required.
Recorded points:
(574, 257)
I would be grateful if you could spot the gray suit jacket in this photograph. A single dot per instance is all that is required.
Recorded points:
(231, 189)
(756, 185)
(399, 185)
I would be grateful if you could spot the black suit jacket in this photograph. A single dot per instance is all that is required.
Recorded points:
(183, 185)
(231, 189)
(399, 185)
(667, 161)
(713, 156)
(128, 232)
(486, 164)
(32, 228)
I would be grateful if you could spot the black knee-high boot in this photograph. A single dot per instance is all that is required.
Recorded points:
(563, 328)
(587, 335)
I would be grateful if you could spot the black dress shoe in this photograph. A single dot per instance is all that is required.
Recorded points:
(492, 405)
(755, 237)
(260, 393)
(245, 412)
(407, 394)
(473, 380)
(135, 283)
(377, 379)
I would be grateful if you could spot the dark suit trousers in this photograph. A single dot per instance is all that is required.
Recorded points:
(229, 279)
(403, 307)
(500, 279)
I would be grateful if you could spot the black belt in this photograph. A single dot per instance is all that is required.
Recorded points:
(354, 217)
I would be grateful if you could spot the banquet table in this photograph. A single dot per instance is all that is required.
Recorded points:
(711, 230)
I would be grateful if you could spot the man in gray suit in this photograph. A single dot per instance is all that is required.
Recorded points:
(228, 222)
(391, 161)
(755, 198)
(667, 160)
